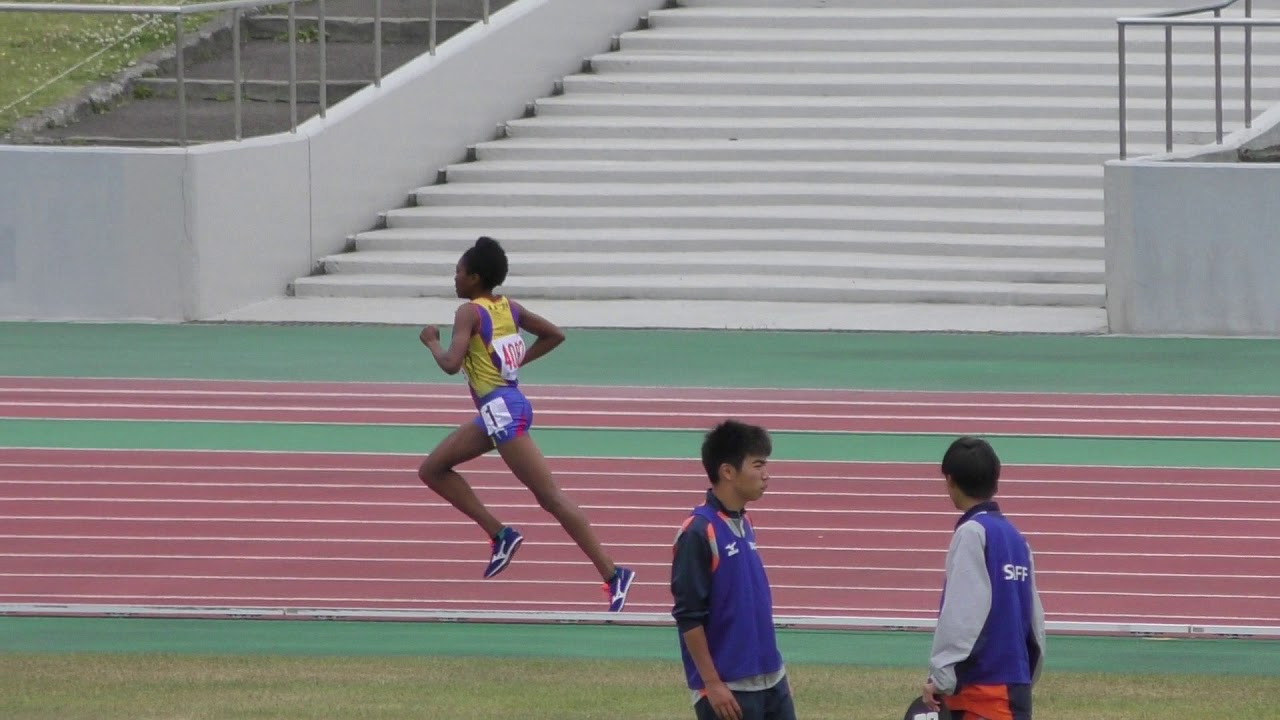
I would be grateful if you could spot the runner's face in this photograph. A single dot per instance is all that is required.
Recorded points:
(464, 284)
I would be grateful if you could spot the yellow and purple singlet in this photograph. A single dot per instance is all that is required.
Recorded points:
(492, 366)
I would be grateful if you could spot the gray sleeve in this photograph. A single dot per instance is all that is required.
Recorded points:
(965, 606)
(1037, 620)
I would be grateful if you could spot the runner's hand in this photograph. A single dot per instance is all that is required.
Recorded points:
(429, 335)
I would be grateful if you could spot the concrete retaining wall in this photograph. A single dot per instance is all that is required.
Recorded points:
(1193, 241)
(174, 234)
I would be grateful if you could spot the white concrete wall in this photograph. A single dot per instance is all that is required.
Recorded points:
(249, 207)
(1193, 248)
(95, 234)
(172, 234)
(1193, 240)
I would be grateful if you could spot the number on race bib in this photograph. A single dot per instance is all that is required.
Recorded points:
(510, 351)
(496, 416)
(925, 716)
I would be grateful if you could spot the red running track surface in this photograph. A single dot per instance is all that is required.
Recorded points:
(304, 530)
(609, 407)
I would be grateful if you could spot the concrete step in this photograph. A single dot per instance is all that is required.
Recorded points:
(729, 262)
(668, 195)
(155, 122)
(756, 106)
(355, 30)
(908, 40)
(1124, 6)
(718, 287)
(708, 314)
(400, 8)
(149, 115)
(251, 90)
(900, 84)
(897, 173)
(974, 61)
(268, 60)
(1021, 129)
(907, 150)
(861, 17)
(531, 240)
(813, 153)
(352, 21)
(899, 219)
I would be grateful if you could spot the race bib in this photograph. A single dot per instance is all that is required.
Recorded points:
(510, 351)
(496, 416)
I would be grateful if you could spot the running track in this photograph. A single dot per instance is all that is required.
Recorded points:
(1120, 548)
(844, 411)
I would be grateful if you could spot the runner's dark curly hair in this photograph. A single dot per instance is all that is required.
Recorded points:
(488, 260)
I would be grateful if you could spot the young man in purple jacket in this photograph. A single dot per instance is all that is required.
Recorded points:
(988, 646)
(723, 607)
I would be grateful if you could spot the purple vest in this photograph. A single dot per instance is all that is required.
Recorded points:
(739, 628)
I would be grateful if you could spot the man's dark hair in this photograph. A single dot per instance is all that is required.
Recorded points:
(731, 442)
(973, 466)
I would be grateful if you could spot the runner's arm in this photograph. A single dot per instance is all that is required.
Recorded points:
(548, 335)
(464, 325)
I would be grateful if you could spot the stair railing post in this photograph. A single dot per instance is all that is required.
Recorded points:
(180, 41)
(377, 43)
(486, 12)
(324, 70)
(237, 74)
(293, 66)
(1217, 76)
(1123, 120)
(1168, 88)
(431, 30)
(1248, 66)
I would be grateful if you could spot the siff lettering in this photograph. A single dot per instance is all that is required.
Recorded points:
(1016, 572)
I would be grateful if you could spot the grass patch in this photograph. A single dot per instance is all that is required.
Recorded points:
(37, 47)
(154, 686)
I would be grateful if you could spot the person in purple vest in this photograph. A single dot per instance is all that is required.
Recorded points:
(988, 646)
(723, 607)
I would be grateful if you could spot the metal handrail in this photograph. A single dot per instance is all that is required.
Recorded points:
(1177, 18)
(237, 7)
(1194, 11)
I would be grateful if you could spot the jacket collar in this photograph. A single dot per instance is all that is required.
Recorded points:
(714, 503)
(989, 506)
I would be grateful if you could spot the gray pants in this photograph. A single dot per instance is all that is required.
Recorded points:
(772, 704)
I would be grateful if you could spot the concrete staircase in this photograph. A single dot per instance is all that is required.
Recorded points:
(893, 159)
(149, 115)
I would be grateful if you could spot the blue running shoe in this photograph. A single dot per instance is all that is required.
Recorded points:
(504, 548)
(618, 587)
